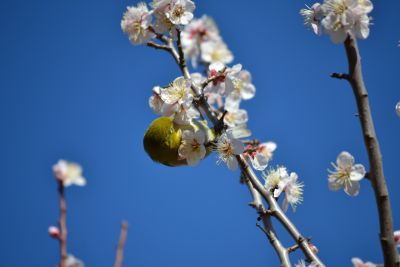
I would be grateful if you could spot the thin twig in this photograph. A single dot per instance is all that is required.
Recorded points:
(377, 178)
(268, 228)
(278, 213)
(62, 224)
(121, 244)
(295, 247)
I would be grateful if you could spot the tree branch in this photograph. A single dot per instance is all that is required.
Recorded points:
(268, 228)
(356, 80)
(278, 213)
(121, 244)
(62, 224)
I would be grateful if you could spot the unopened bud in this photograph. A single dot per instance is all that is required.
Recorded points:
(313, 248)
(397, 237)
(54, 232)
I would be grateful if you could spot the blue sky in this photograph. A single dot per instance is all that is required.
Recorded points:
(73, 87)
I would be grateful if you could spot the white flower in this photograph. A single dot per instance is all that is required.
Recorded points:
(217, 86)
(276, 180)
(192, 148)
(398, 109)
(136, 22)
(178, 100)
(239, 131)
(344, 16)
(261, 155)
(396, 235)
(228, 147)
(357, 262)
(197, 32)
(215, 51)
(236, 117)
(71, 261)
(178, 92)
(69, 173)
(312, 17)
(238, 85)
(293, 192)
(180, 12)
(346, 174)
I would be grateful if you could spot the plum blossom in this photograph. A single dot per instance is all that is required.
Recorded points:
(68, 173)
(357, 262)
(293, 192)
(396, 235)
(261, 154)
(180, 12)
(192, 148)
(236, 117)
(228, 147)
(172, 13)
(71, 261)
(398, 109)
(238, 85)
(195, 33)
(178, 99)
(346, 175)
(344, 16)
(275, 180)
(136, 22)
(312, 17)
(215, 51)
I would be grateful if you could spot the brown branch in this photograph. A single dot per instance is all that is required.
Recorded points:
(159, 46)
(295, 247)
(62, 224)
(277, 212)
(121, 244)
(268, 227)
(213, 78)
(356, 80)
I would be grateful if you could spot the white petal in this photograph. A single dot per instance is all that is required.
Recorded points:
(357, 173)
(232, 163)
(334, 186)
(345, 160)
(352, 188)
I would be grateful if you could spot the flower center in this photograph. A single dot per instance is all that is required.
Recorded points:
(178, 11)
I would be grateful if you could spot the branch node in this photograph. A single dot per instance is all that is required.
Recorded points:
(341, 76)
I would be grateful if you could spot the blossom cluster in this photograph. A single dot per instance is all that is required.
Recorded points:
(338, 18)
(142, 24)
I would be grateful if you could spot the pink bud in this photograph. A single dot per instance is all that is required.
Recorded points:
(54, 232)
(397, 237)
(313, 248)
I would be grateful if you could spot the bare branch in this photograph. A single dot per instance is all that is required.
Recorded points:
(62, 224)
(278, 213)
(376, 175)
(268, 229)
(121, 244)
(340, 76)
(159, 46)
(295, 247)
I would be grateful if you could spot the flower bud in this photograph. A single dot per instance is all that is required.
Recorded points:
(313, 248)
(54, 232)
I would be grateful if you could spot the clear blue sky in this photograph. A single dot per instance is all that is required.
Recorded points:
(73, 87)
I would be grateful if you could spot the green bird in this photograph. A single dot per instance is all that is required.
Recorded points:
(163, 138)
